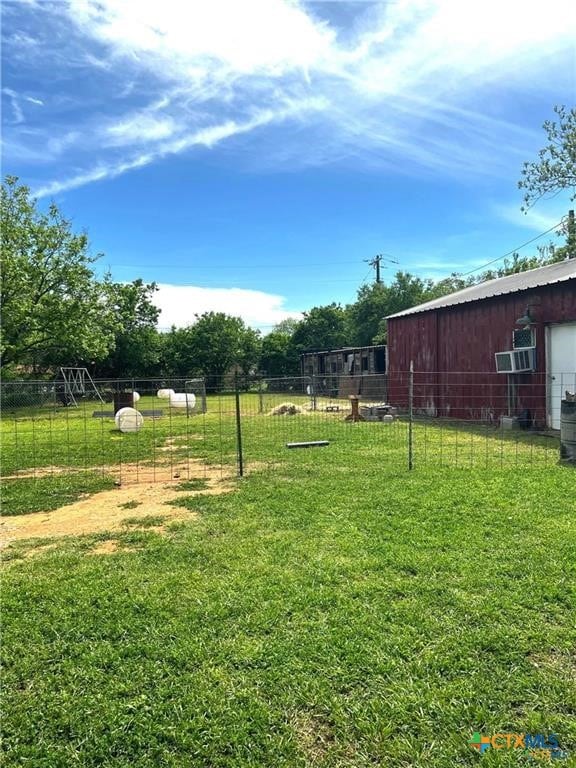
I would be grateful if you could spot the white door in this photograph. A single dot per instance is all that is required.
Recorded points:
(561, 367)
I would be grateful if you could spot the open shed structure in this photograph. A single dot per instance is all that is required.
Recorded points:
(348, 371)
(506, 347)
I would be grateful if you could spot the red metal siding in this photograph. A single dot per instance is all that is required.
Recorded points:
(453, 354)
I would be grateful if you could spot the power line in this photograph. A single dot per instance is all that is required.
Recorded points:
(514, 250)
(230, 266)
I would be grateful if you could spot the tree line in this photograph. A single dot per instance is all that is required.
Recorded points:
(57, 312)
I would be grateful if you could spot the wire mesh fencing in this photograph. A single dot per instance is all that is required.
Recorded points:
(167, 433)
(410, 420)
(191, 428)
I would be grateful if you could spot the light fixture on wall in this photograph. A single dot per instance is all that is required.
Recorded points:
(526, 320)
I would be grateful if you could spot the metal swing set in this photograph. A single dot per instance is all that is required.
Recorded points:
(76, 382)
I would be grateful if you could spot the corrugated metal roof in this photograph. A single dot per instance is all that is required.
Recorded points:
(341, 349)
(522, 281)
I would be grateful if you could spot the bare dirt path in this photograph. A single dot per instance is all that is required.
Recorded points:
(136, 497)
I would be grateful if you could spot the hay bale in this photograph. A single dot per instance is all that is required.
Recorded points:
(286, 409)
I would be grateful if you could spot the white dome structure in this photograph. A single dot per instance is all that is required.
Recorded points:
(129, 420)
(182, 400)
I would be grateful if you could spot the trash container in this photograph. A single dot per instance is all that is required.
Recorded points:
(568, 430)
(123, 400)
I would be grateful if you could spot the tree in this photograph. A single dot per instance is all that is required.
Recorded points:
(555, 168)
(365, 315)
(287, 326)
(321, 328)
(177, 352)
(54, 310)
(279, 356)
(212, 346)
(136, 342)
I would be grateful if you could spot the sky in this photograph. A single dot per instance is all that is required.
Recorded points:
(252, 157)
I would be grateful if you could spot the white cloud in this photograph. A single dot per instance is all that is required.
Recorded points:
(206, 137)
(547, 217)
(15, 101)
(140, 128)
(200, 37)
(404, 86)
(180, 303)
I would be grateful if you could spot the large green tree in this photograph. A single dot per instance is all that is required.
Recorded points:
(555, 169)
(54, 310)
(136, 350)
(321, 328)
(375, 303)
(211, 347)
(366, 313)
(177, 352)
(279, 356)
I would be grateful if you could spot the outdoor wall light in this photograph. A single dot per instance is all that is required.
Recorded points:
(526, 320)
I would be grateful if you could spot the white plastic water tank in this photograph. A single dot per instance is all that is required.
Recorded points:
(165, 394)
(129, 420)
(182, 400)
(135, 396)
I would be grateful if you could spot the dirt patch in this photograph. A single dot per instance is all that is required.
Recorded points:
(561, 662)
(314, 736)
(108, 547)
(42, 472)
(163, 470)
(106, 511)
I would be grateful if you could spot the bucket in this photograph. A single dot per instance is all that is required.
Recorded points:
(123, 400)
(568, 430)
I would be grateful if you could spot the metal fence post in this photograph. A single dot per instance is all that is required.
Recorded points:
(410, 415)
(260, 395)
(238, 428)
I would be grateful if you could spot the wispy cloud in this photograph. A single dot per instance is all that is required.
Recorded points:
(16, 100)
(547, 217)
(180, 303)
(402, 86)
(207, 137)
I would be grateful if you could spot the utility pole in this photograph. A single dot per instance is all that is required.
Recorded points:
(571, 235)
(376, 263)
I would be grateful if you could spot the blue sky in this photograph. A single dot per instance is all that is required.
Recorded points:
(249, 157)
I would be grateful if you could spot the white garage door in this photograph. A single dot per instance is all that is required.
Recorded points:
(562, 367)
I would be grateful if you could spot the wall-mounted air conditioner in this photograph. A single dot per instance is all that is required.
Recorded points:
(516, 360)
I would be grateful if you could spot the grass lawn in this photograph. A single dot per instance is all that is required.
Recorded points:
(336, 610)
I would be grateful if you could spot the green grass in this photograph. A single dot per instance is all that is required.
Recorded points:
(146, 521)
(337, 610)
(132, 504)
(42, 494)
(195, 484)
(71, 438)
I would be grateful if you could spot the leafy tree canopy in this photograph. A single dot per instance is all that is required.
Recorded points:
(555, 168)
(321, 328)
(137, 343)
(287, 326)
(279, 355)
(211, 347)
(54, 310)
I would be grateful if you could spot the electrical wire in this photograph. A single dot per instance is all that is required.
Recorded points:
(513, 251)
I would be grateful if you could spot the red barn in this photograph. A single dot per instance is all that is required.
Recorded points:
(506, 347)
